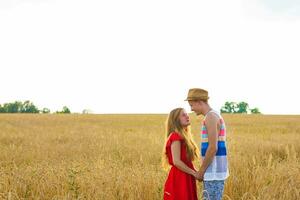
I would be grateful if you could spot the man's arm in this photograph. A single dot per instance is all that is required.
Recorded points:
(211, 124)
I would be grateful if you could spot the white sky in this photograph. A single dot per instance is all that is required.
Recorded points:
(143, 56)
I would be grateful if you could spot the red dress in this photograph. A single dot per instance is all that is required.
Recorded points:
(179, 185)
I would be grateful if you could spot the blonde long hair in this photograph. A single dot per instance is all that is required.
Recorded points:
(173, 125)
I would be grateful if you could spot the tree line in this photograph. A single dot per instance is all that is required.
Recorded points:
(240, 107)
(27, 107)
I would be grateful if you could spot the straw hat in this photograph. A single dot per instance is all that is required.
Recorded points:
(197, 94)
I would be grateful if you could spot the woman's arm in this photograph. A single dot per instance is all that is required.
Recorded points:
(175, 149)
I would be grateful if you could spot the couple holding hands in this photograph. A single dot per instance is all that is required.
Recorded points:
(180, 151)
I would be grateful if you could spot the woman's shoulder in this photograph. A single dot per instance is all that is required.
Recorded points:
(174, 136)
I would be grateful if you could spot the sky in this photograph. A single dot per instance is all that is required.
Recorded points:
(143, 56)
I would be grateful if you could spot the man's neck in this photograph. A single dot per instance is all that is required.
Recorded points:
(206, 110)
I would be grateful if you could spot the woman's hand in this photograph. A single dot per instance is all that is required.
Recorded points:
(199, 175)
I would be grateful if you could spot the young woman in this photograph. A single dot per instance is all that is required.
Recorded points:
(179, 152)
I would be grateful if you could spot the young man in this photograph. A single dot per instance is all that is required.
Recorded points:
(214, 168)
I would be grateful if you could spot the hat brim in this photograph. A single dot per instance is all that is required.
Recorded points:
(195, 99)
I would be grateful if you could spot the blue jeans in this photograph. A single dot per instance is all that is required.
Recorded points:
(213, 190)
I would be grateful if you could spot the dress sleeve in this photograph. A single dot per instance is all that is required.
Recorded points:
(174, 137)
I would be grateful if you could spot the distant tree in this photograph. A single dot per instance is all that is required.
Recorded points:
(45, 110)
(255, 111)
(15, 107)
(19, 107)
(1, 109)
(242, 107)
(29, 107)
(87, 111)
(65, 110)
(229, 107)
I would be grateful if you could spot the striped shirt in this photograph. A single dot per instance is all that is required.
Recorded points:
(218, 169)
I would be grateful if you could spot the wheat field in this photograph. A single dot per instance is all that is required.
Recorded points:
(114, 157)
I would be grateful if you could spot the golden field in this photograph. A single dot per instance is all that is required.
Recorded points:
(114, 157)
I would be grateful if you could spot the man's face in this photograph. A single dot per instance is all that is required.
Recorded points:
(184, 118)
(196, 106)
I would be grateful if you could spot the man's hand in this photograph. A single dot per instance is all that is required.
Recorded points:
(199, 175)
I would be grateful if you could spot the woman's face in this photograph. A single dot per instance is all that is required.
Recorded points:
(184, 118)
